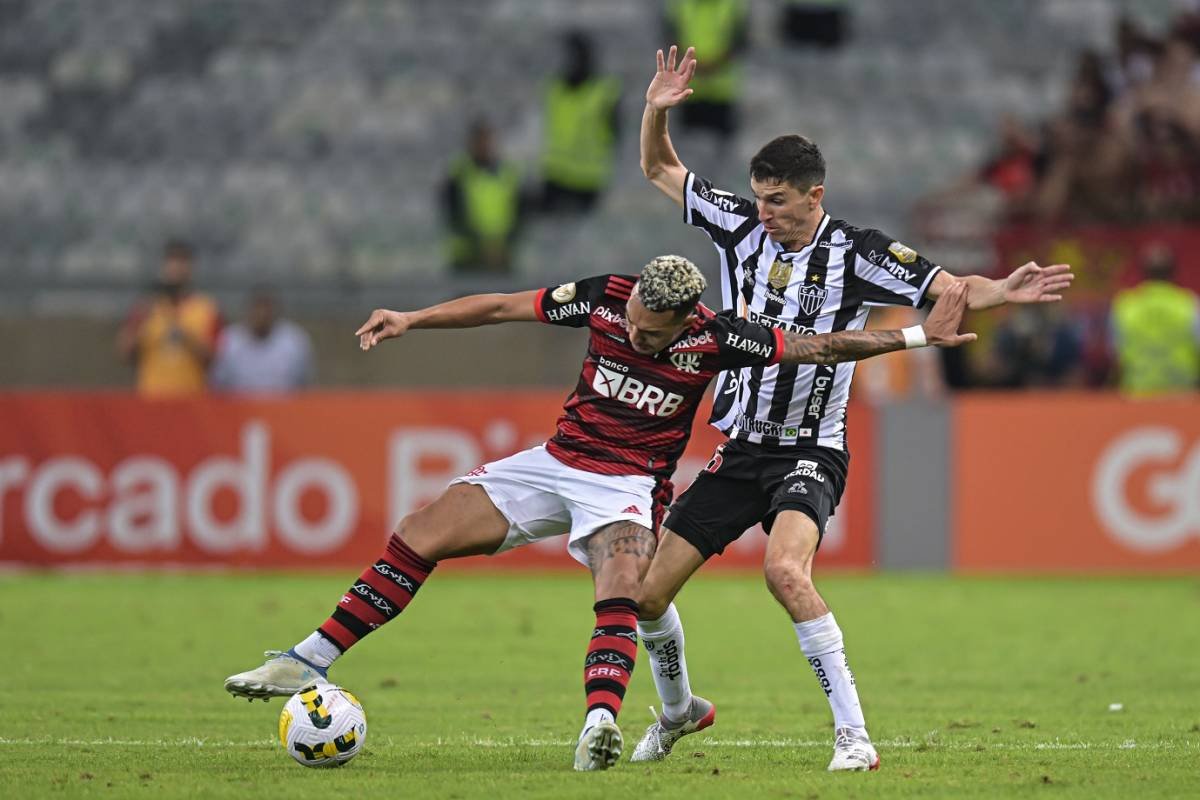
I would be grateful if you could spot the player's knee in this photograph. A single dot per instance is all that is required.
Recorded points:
(618, 583)
(652, 606)
(420, 537)
(787, 577)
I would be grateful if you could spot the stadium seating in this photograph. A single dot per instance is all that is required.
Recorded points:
(305, 139)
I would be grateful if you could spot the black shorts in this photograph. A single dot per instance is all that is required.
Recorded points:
(745, 484)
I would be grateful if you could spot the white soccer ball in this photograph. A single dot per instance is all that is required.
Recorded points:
(322, 726)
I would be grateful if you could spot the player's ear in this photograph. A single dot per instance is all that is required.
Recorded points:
(815, 194)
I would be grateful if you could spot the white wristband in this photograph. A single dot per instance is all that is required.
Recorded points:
(914, 336)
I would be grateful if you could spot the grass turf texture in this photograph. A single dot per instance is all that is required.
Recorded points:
(983, 686)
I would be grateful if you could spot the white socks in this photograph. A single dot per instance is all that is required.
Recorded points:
(318, 650)
(595, 717)
(663, 638)
(821, 641)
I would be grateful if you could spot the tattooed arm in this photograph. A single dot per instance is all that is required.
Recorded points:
(940, 329)
(834, 348)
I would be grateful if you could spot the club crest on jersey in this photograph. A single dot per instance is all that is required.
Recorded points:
(903, 253)
(563, 293)
(686, 362)
(812, 298)
(780, 275)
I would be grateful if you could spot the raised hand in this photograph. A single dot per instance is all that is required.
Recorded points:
(670, 85)
(382, 324)
(1033, 284)
(941, 326)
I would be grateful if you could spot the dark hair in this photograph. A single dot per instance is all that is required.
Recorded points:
(789, 159)
(177, 248)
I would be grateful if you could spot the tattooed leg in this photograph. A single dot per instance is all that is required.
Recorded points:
(619, 556)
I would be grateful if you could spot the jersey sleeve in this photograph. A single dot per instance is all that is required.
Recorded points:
(723, 216)
(741, 343)
(571, 303)
(888, 273)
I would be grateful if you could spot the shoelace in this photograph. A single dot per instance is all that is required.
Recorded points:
(844, 739)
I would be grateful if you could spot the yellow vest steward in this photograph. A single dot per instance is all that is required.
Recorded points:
(490, 198)
(1156, 338)
(579, 133)
(709, 26)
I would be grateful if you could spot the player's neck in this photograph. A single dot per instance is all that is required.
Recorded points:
(806, 232)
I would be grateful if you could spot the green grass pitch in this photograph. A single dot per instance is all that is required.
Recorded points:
(980, 687)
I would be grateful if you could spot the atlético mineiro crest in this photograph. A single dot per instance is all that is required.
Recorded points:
(812, 298)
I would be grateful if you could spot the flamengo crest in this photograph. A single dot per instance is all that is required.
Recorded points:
(686, 362)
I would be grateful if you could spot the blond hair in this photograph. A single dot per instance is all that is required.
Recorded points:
(670, 283)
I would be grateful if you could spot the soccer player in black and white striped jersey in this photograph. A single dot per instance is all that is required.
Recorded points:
(787, 264)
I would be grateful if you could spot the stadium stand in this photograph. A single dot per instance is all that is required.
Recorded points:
(304, 139)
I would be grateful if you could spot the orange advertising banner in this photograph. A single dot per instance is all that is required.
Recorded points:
(1072, 482)
(316, 480)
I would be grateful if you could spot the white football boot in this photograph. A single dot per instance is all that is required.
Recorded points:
(852, 751)
(599, 747)
(661, 736)
(283, 675)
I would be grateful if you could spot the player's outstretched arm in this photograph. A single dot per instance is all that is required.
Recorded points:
(669, 88)
(465, 312)
(1029, 283)
(940, 329)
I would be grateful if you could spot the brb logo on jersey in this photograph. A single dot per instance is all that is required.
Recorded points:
(612, 380)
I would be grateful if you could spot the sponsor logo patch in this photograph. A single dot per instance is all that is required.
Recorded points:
(721, 199)
(748, 345)
(807, 469)
(608, 315)
(633, 392)
(780, 274)
(564, 293)
(903, 253)
(783, 325)
(580, 308)
(692, 341)
(883, 262)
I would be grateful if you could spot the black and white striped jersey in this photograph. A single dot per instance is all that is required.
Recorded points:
(829, 285)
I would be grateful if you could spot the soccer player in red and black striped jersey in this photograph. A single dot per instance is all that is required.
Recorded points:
(603, 479)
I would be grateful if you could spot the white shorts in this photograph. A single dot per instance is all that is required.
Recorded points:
(542, 497)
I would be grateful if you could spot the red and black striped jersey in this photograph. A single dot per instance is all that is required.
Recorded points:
(631, 414)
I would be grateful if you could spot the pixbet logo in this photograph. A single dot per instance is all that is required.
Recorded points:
(1174, 486)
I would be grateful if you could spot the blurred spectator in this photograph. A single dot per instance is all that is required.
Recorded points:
(1008, 179)
(824, 23)
(1156, 331)
(264, 353)
(1136, 52)
(903, 375)
(1082, 163)
(1035, 347)
(482, 199)
(1159, 126)
(581, 126)
(717, 29)
(169, 337)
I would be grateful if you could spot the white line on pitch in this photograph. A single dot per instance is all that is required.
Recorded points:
(196, 742)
